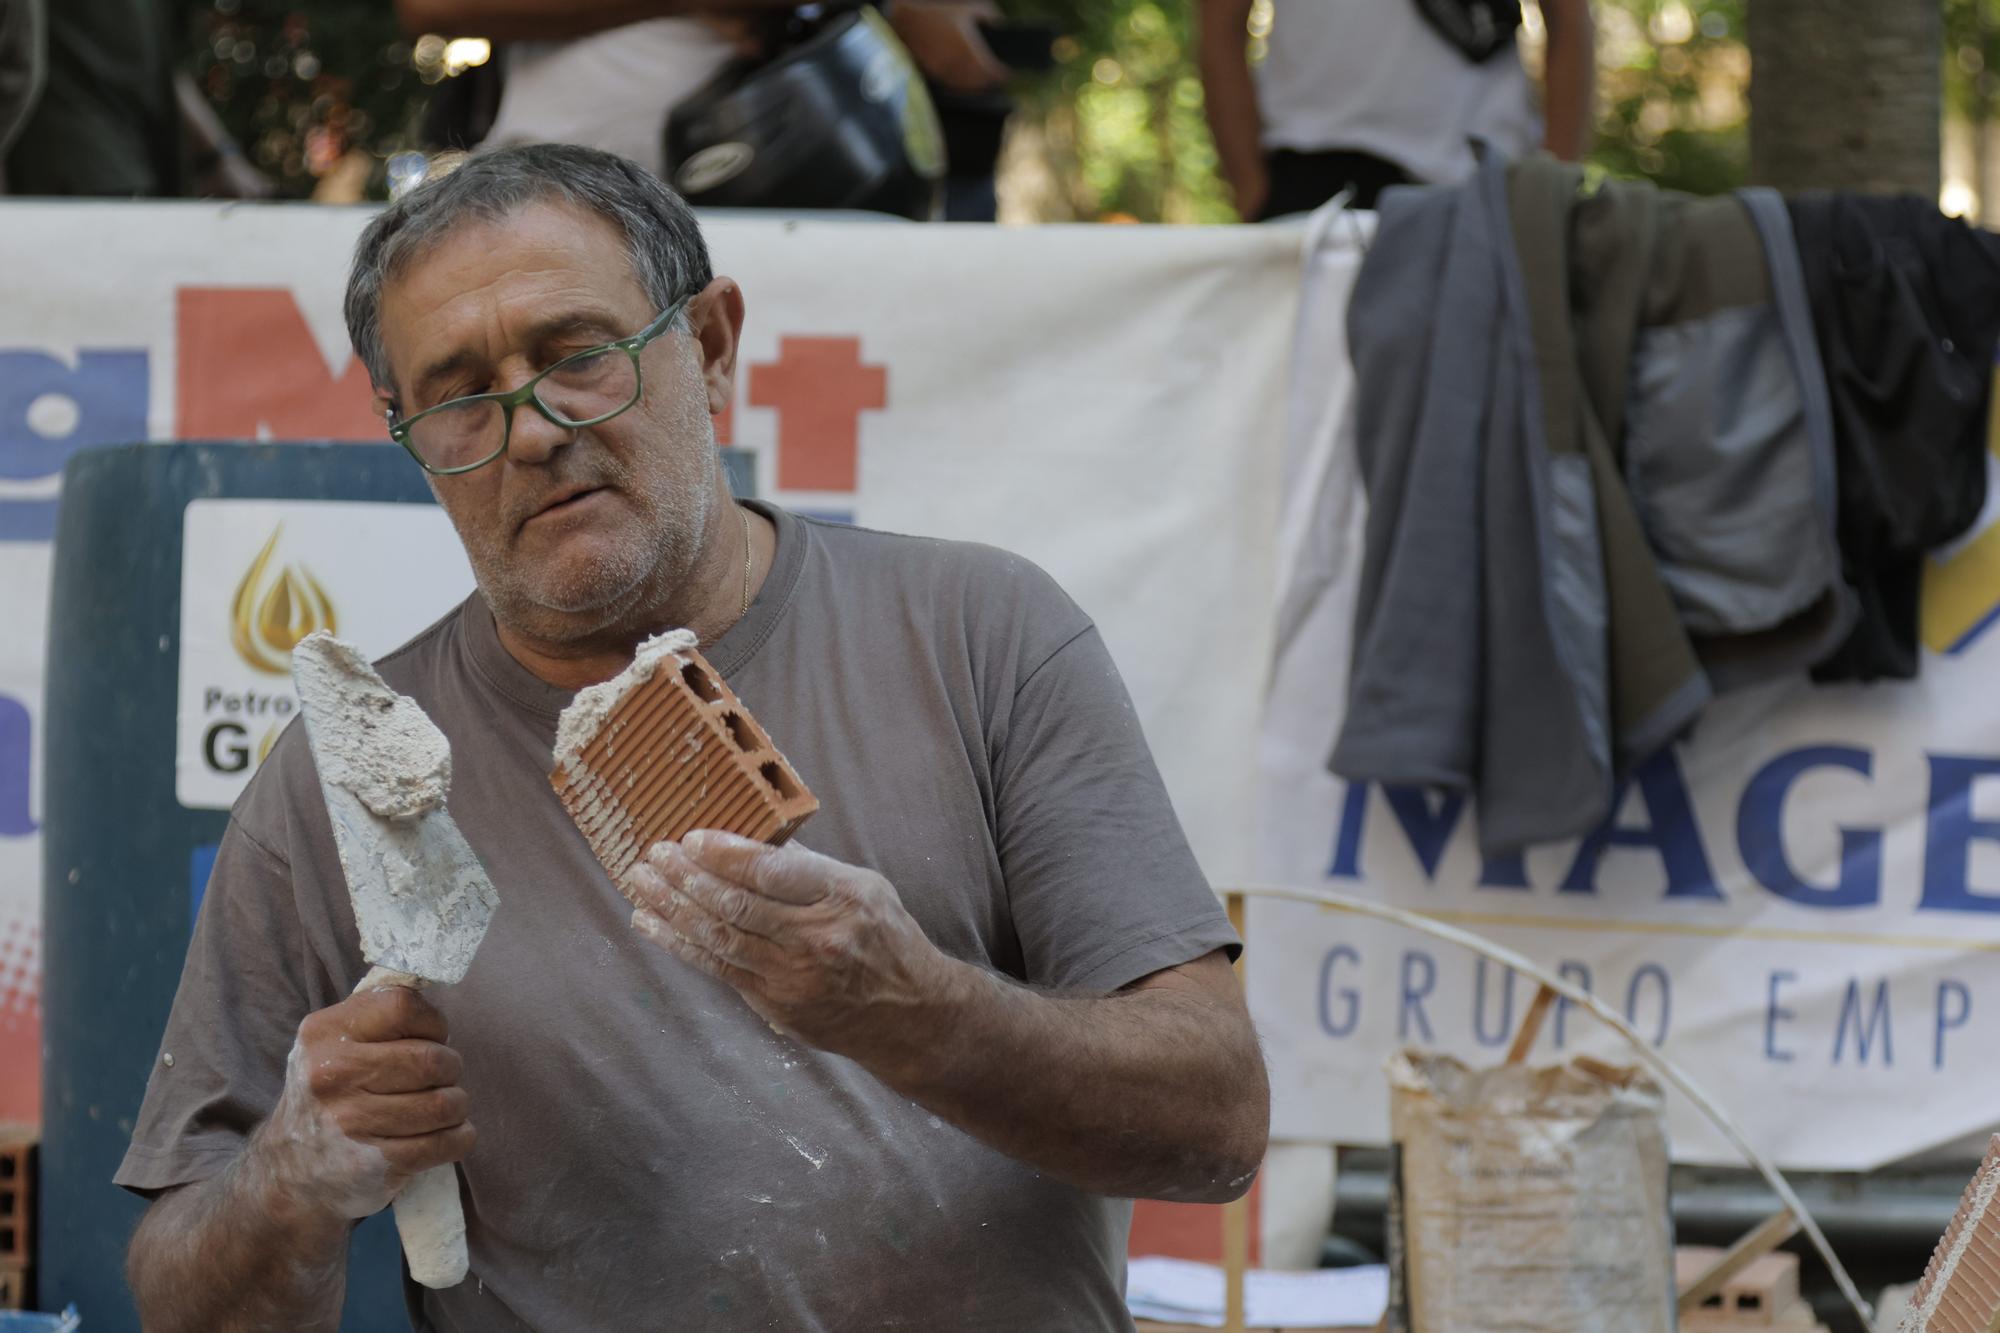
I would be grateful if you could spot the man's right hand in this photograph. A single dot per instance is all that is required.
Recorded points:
(371, 1098)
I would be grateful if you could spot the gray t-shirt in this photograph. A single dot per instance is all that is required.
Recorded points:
(651, 1154)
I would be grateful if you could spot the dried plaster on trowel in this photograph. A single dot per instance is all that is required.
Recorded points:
(386, 751)
(386, 769)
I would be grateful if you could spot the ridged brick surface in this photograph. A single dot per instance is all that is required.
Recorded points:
(17, 1197)
(679, 752)
(1960, 1292)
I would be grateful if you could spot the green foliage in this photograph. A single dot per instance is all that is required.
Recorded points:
(1672, 78)
(300, 84)
(1972, 50)
(1119, 121)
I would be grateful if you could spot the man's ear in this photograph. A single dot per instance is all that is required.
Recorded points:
(716, 318)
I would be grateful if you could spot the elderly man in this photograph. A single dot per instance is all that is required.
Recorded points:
(901, 1072)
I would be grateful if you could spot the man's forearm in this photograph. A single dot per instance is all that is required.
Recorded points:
(230, 1255)
(1149, 1093)
(1229, 100)
(1569, 78)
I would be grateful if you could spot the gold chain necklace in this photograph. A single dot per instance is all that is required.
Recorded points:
(743, 516)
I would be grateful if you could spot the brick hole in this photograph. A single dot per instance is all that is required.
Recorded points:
(781, 781)
(1713, 1302)
(701, 683)
(1749, 1300)
(739, 731)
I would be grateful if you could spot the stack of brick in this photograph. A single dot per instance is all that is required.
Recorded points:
(1765, 1295)
(17, 1215)
(1960, 1292)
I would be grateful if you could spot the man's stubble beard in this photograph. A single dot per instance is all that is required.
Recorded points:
(646, 578)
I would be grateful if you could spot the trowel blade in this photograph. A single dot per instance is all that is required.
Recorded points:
(422, 900)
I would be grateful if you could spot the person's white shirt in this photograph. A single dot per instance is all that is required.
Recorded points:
(611, 90)
(1373, 76)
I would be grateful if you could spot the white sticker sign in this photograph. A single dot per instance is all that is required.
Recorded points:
(259, 575)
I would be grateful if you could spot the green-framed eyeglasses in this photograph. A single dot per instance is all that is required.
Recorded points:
(582, 389)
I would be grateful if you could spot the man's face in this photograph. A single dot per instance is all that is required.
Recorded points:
(567, 529)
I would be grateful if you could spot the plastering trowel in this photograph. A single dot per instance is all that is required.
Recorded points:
(421, 899)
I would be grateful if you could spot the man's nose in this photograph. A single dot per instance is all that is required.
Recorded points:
(536, 438)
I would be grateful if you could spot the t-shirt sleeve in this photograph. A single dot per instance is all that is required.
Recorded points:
(251, 975)
(1103, 887)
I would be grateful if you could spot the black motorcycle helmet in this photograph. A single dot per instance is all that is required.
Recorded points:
(841, 120)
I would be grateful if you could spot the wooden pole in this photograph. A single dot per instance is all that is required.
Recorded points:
(1531, 1025)
(1236, 1213)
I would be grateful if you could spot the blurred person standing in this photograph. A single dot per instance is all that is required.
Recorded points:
(20, 70)
(968, 85)
(737, 103)
(91, 105)
(102, 120)
(601, 73)
(1364, 94)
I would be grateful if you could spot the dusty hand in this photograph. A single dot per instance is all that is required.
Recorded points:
(819, 948)
(371, 1098)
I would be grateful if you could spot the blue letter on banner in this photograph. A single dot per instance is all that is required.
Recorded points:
(1760, 832)
(1953, 829)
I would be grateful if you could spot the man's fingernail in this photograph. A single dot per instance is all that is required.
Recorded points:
(647, 923)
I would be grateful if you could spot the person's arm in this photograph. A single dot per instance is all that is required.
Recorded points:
(945, 41)
(1157, 1091)
(371, 1098)
(1229, 99)
(1569, 78)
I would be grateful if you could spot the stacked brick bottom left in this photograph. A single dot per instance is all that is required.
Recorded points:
(17, 1216)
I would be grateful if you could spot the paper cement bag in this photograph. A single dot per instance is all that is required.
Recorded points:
(1527, 1199)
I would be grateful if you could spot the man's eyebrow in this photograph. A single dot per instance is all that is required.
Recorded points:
(594, 323)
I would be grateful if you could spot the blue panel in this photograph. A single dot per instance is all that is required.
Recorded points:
(199, 866)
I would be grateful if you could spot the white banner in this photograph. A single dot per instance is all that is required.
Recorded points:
(1103, 400)
(1801, 904)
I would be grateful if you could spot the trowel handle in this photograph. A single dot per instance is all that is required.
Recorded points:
(429, 1216)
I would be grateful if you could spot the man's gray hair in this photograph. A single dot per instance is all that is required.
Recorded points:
(669, 258)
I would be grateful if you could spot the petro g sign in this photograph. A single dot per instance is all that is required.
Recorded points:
(259, 575)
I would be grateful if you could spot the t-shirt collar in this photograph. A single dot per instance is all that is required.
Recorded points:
(727, 654)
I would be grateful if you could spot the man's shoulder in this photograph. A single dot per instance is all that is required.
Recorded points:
(937, 564)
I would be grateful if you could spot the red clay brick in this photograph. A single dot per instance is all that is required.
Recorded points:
(679, 752)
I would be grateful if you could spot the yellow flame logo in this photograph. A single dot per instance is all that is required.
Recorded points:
(274, 609)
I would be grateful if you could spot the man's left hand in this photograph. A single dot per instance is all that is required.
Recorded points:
(818, 948)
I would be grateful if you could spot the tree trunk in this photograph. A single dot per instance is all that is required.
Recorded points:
(1846, 94)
